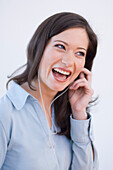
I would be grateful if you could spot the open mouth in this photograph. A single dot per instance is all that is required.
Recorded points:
(61, 74)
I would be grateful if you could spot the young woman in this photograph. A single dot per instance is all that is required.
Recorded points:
(44, 119)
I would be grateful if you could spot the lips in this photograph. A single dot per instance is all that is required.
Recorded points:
(61, 74)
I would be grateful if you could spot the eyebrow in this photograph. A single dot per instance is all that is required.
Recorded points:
(68, 44)
(61, 41)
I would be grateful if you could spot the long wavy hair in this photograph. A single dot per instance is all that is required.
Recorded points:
(52, 26)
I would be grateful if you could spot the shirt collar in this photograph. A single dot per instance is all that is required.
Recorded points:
(17, 95)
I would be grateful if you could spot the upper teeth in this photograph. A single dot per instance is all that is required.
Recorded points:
(61, 71)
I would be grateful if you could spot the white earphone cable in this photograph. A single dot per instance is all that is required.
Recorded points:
(50, 115)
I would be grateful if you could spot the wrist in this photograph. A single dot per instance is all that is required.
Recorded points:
(80, 115)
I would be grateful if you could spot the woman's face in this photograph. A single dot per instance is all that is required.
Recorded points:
(63, 59)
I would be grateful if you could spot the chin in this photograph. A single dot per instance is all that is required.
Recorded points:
(58, 88)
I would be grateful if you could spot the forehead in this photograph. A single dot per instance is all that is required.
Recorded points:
(73, 36)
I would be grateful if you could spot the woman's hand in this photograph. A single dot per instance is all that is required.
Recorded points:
(80, 93)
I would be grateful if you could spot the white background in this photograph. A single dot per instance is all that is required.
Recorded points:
(18, 21)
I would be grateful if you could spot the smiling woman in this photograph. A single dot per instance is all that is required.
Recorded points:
(63, 59)
(44, 123)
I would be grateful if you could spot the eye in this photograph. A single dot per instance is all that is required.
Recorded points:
(80, 53)
(60, 46)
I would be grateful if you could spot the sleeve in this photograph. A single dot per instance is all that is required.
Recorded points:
(82, 143)
(3, 144)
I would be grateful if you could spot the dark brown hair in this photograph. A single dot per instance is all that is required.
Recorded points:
(49, 28)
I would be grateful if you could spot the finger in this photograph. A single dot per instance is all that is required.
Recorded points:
(82, 75)
(84, 85)
(78, 81)
(88, 74)
(81, 84)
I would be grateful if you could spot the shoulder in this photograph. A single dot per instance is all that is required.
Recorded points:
(5, 106)
(6, 109)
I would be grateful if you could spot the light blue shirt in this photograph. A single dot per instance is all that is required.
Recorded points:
(27, 142)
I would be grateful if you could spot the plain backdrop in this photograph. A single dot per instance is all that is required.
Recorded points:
(18, 21)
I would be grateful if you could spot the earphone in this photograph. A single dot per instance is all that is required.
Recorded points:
(50, 117)
(53, 133)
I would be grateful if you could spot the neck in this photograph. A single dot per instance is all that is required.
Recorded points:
(47, 97)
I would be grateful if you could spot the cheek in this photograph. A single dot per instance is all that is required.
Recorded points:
(78, 68)
(50, 57)
(79, 64)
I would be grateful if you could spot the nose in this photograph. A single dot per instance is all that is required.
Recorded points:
(68, 59)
